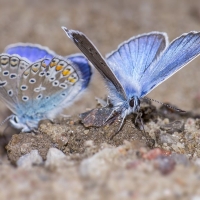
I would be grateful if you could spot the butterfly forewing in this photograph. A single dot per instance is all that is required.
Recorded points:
(30, 52)
(93, 55)
(181, 51)
(10, 69)
(132, 58)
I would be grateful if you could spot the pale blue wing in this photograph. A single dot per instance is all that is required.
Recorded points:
(32, 52)
(133, 57)
(181, 51)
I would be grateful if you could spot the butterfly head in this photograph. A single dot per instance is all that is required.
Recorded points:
(23, 124)
(134, 105)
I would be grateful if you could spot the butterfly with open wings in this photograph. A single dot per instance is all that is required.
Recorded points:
(138, 65)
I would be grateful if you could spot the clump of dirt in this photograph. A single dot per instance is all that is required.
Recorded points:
(23, 143)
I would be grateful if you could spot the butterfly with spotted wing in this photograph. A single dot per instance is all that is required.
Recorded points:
(36, 83)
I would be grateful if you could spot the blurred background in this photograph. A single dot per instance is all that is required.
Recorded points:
(107, 23)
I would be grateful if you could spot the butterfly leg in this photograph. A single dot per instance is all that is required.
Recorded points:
(149, 141)
(121, 124)
(36, 131)
(65, 116)
(112, 115)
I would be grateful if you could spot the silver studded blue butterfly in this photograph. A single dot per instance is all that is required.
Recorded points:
(37, 84)
(138, 65)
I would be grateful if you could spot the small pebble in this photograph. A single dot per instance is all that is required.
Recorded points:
(54, 155)
(165, 164)
(89, 143)
(86, 132)
(32, 158)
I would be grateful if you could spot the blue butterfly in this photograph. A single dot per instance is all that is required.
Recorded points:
(36, 83)
(138, 65)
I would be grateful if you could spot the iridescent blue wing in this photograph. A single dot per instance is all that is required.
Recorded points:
(180, 51)
(132, 58)
(32, 52)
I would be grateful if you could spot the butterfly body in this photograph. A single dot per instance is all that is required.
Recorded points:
(138, 65)
(37, 84)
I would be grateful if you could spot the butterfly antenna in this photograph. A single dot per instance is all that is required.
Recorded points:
(167, 105)
(5, 120)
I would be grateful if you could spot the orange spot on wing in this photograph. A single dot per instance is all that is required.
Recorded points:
(26, 73)
(66, 72)
(53, 63)
(35, 69)
(44, 65)
(72, 80)
(59, 67)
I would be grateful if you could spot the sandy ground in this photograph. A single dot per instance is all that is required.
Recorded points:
(93, 166)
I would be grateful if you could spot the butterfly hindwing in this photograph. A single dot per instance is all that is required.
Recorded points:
(50, 86)
(82, 67)
(180, 51)
(73, 78)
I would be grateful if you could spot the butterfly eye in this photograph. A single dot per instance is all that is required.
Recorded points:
(15, 118)
(131, 103)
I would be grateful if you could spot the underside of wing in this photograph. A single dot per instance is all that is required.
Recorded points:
(10, 71)
(94, 56)
(180, 52)
(133, 57)
(46, 88)
(31, 52)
